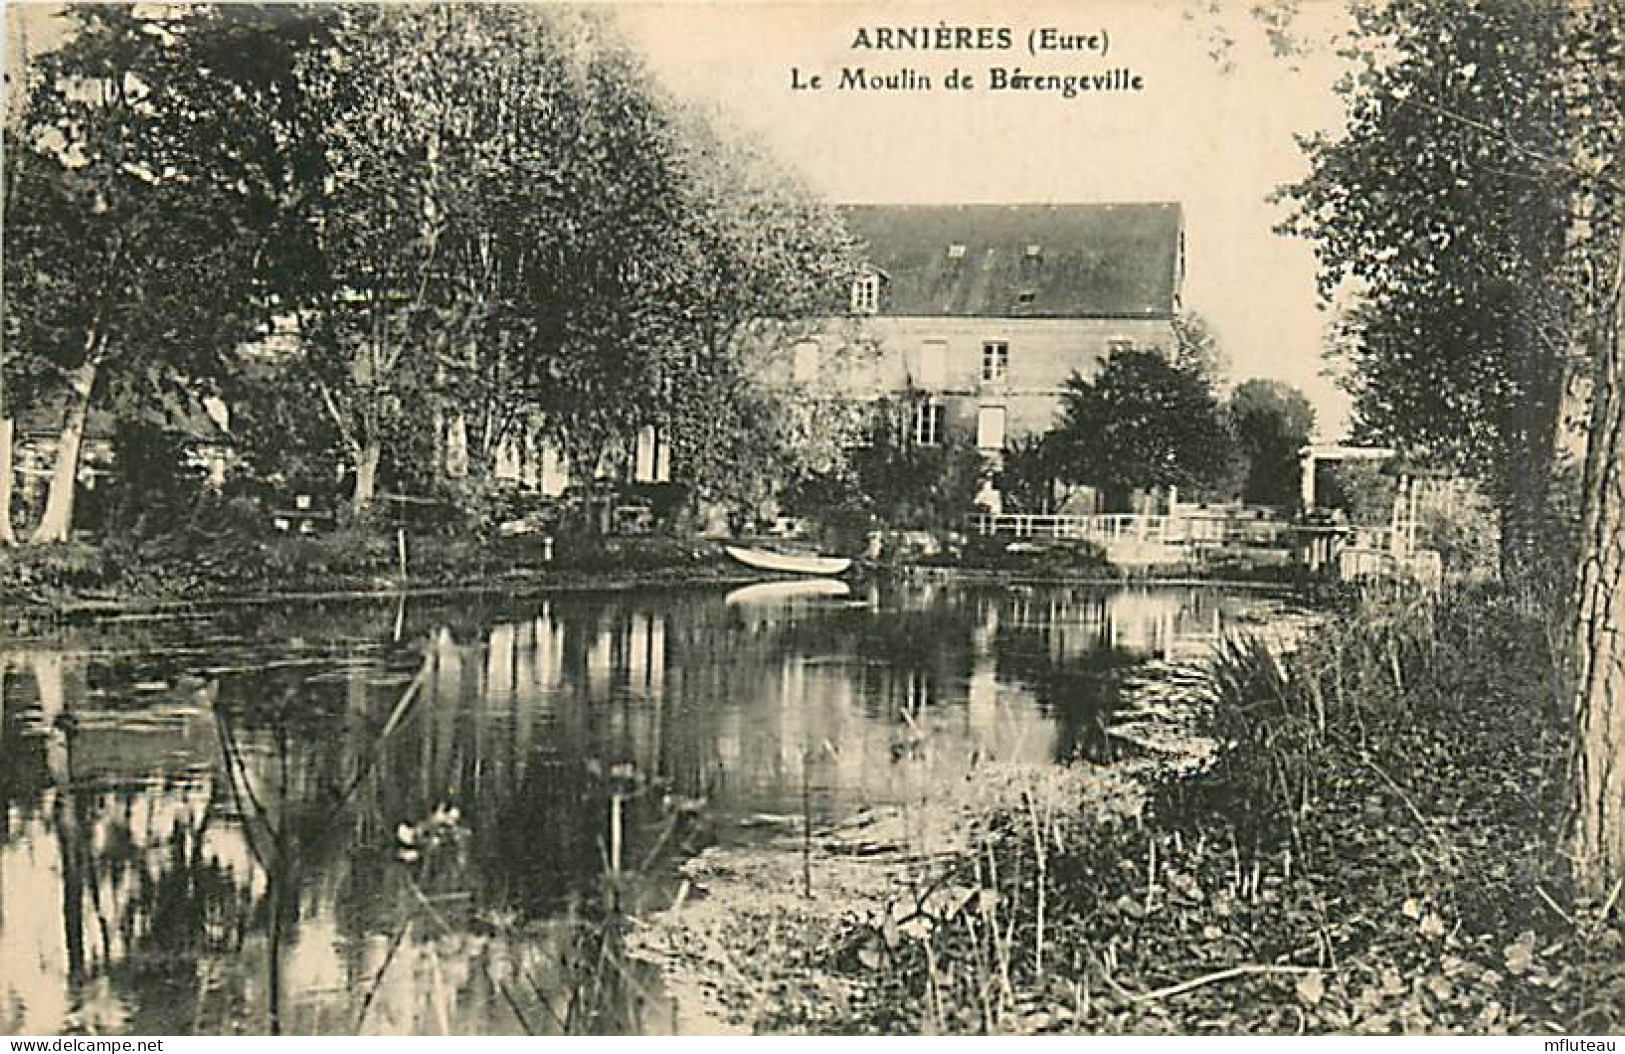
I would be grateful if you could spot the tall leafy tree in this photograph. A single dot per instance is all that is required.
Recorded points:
(760, 263)
(481, 218)
(496, 221)
(1474, 203)
(139, 214)
(378, 119)
(1143, 423)
(1447, 209)
(1596, 658)
(19, 86)
(1196, 347)
(579, 190)
(1271, 422)
(1595, 98)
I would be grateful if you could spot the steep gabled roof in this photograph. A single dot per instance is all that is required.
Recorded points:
(1090, 261)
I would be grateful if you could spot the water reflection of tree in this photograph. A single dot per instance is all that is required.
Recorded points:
(1059, 644)
(141, 907)
(1079, 692)
(1071, 646)
(23, 773)
(536, 823)
(303, 776)
(187, 913)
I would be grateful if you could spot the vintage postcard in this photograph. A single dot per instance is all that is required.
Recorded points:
(717, 517)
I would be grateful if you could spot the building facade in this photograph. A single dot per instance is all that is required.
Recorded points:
(981, 313)
(978, 315)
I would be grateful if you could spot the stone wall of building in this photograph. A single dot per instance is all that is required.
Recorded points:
(956, 361)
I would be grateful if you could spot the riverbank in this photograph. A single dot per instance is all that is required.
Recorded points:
(800, 933)
(808, 931)
(1373, 845)
(168, 576)
(173, 575)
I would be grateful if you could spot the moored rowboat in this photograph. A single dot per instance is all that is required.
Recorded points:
(788, 563)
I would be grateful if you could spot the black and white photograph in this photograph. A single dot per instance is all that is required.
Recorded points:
(760, 518)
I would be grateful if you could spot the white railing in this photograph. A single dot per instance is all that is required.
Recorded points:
(1351, 552)
(1196, 529)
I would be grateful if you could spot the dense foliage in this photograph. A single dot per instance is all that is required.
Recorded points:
(1468, 206)
(1472, 205)
(888, 478)
(397, 240)
(1144, 422)
(142, 213)
(1027, 473)
(1271, 422)
(1375, 849)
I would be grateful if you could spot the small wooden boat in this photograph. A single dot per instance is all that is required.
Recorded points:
(788, 563)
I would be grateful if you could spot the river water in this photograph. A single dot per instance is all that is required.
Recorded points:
(398, 817)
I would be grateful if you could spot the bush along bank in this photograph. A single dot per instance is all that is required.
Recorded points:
(136, 573)
(1374, 847)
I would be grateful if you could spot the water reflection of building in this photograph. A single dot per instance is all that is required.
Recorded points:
(1148, 622)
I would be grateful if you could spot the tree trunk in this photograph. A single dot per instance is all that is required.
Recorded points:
(366, 476)
(7, 535)
(1530, 524)
(57, 523)
(1596, 659)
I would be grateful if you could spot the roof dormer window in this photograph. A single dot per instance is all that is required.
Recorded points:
(866, 294)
